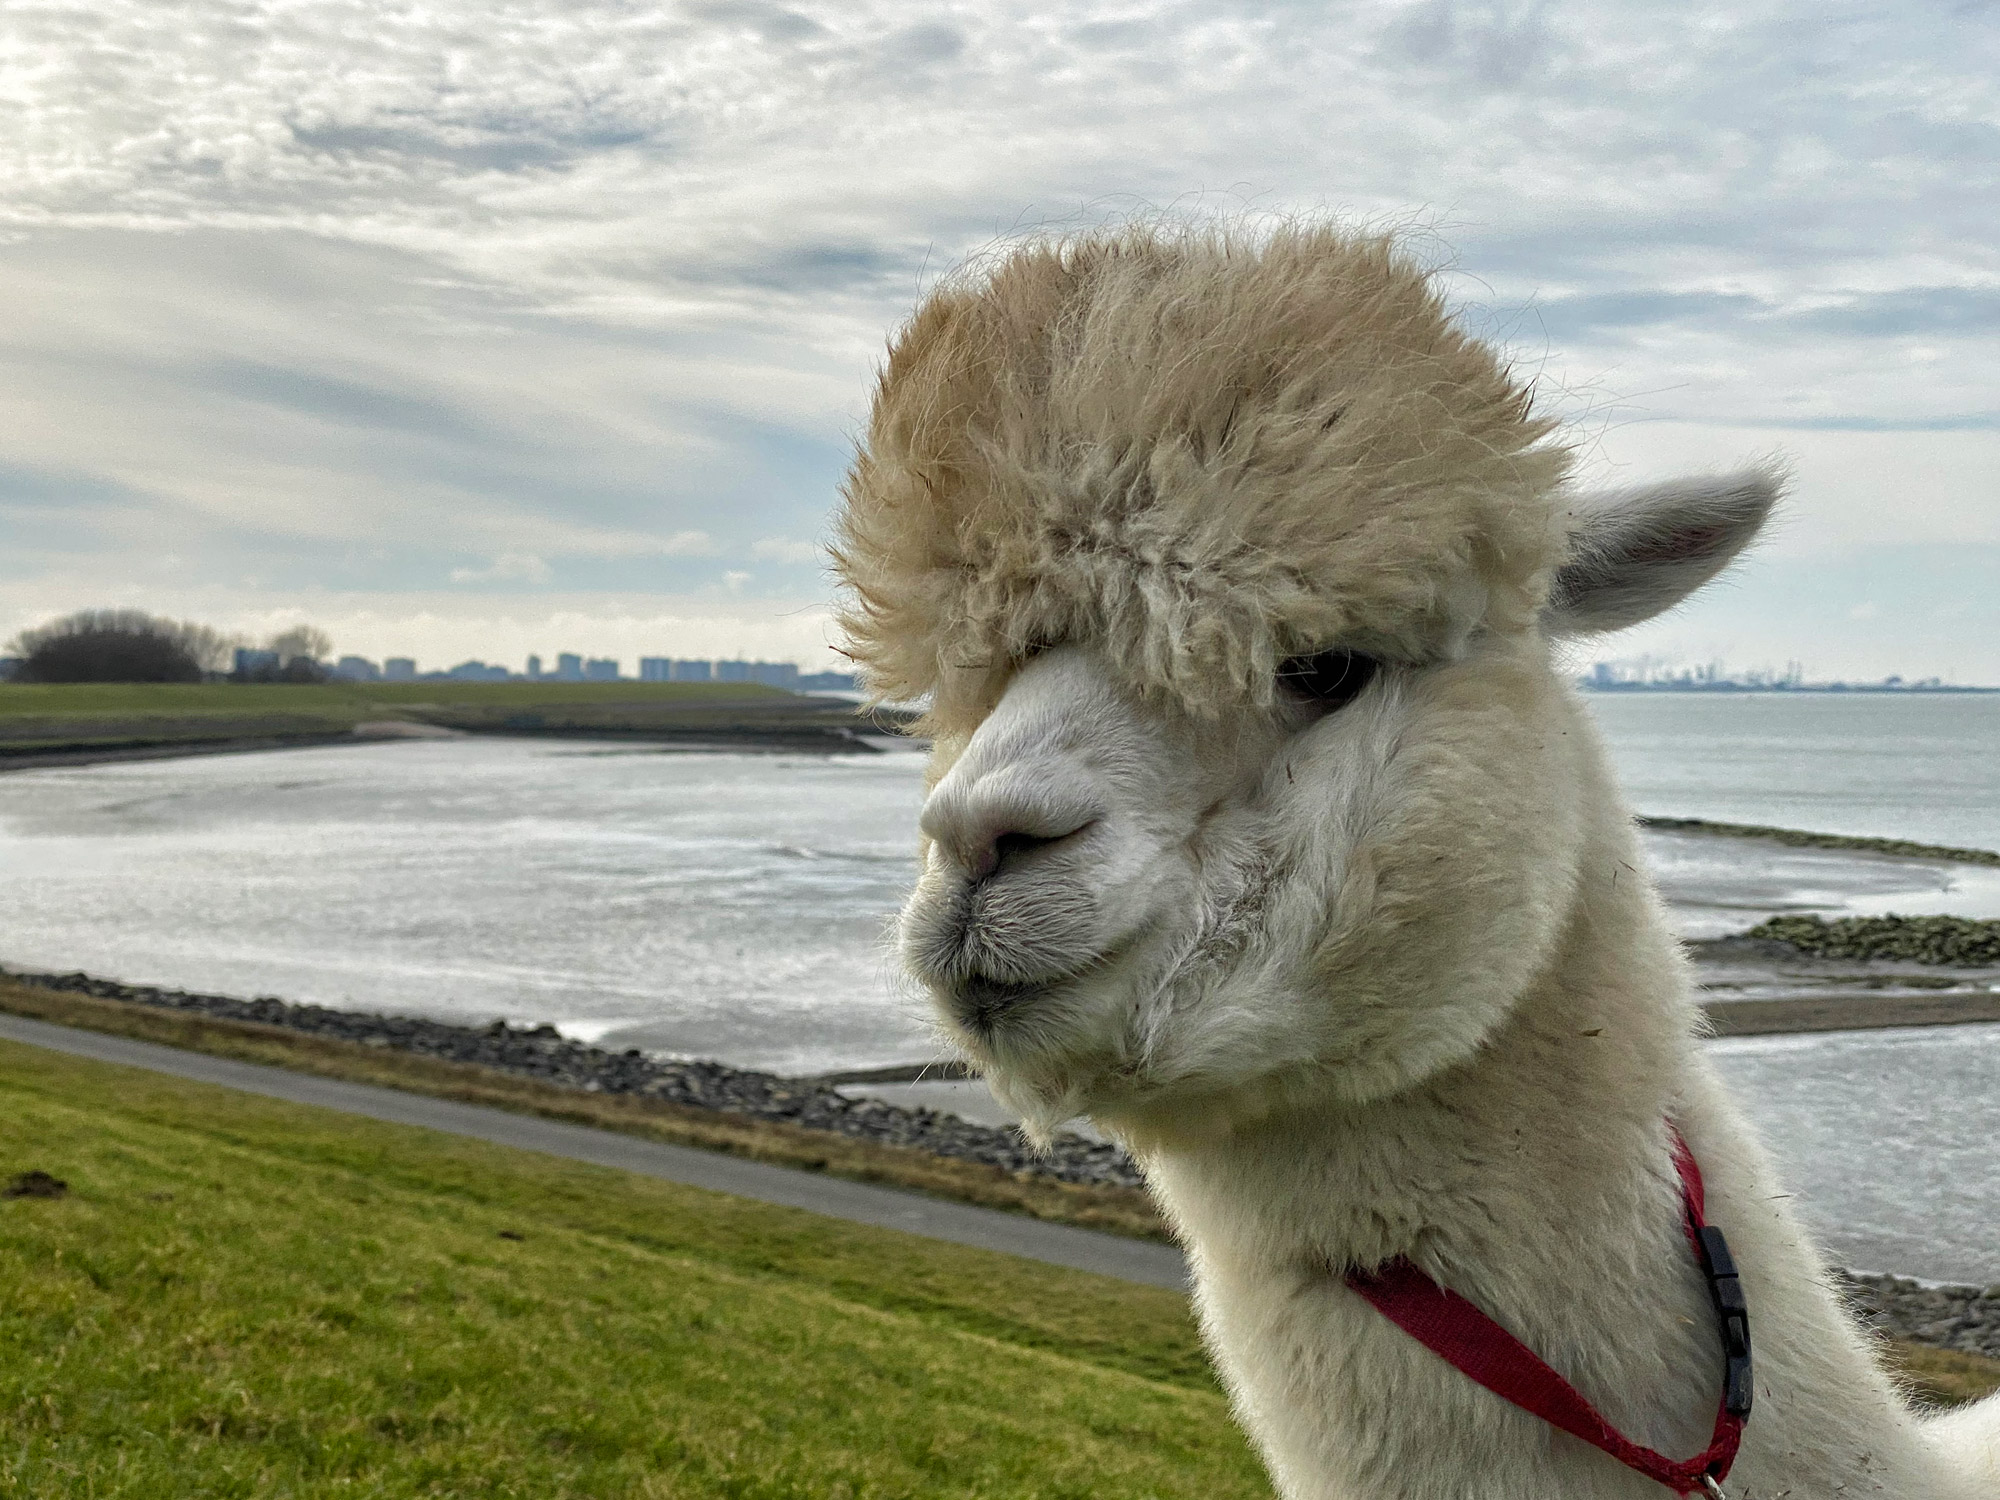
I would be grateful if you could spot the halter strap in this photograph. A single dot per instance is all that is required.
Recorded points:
(1479, 1348)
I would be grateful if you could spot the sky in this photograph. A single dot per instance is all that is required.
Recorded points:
(475, 329)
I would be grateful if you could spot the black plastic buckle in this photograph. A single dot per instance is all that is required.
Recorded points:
(1732, 1315)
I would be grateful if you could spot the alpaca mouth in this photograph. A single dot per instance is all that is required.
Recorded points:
(983, 1003)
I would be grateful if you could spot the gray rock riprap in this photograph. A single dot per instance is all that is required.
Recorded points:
(1966, 1318)
(543, 1053)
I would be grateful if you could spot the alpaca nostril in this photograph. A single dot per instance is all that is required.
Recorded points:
(1010, 844)
(1010, 848)
(985, 821)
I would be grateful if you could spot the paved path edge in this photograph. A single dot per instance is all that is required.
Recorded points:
(1111, 1255)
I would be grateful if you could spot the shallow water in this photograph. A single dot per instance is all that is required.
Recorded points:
(716, 905)
(1888, 1138)
(1715, 886)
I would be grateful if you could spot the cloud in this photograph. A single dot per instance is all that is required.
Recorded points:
(360, 298)
(508, 567)
(784, 550)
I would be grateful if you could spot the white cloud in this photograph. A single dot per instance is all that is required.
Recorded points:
(785, 550)
(1849, 490)
(688, 544)
(508, 567)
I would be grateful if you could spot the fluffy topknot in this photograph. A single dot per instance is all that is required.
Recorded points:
(1199, 451)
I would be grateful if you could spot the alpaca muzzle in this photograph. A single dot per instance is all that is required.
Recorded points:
(984, 1004)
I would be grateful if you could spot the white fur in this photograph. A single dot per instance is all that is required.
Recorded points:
(1386, 980)
(1391, 982)
(1636, 552)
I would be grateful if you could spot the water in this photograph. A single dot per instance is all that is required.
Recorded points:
(1715, 886)
(1922, 766)
(707, 904)
(735, 905)
(1887, 1138)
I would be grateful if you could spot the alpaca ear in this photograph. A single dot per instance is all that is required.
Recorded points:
(1636, 552)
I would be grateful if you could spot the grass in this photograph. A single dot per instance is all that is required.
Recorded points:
(349, 701)
(45, 717)
(239, 1297)
(1941, 1377)
(118, 1135)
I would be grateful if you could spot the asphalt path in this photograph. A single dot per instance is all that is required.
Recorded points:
(862, 1203)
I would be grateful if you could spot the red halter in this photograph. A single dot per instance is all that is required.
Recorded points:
(1472, 1343)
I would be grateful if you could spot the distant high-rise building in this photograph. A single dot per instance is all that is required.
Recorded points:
(655, 669)
(569, 667)
(250, 661)
(356, 669)
(399, 669)
(732, 671)
(600, 669)
(534, 669)
(692, 671)
(777, 674)
(478, 671)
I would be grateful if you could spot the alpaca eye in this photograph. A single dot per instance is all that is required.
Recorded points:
(1330, 680)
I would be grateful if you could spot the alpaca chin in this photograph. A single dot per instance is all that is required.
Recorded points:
(1045, 1101)
(1049, 1057)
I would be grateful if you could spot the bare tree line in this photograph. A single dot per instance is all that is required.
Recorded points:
(130, 645)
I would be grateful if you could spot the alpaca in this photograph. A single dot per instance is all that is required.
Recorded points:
(1263, 829)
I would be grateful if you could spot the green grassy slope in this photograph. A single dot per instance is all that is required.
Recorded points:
(343, 699)
(80, 715)
(240, 1297)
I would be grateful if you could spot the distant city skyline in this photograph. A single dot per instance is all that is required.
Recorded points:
(1650, 675)
(571, 666)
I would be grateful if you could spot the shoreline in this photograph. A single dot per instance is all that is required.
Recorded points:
(157, 728)
(543, 1053)
(1798, 838)
(772, 740)
(109, 754)
(1092, 1184)
(815, 1101)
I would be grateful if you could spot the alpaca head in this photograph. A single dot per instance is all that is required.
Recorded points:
(1229, 571)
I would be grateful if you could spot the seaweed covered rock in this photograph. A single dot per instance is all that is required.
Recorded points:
(1924, 940)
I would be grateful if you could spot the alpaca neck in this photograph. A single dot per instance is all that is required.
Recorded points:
(1535, 1179)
